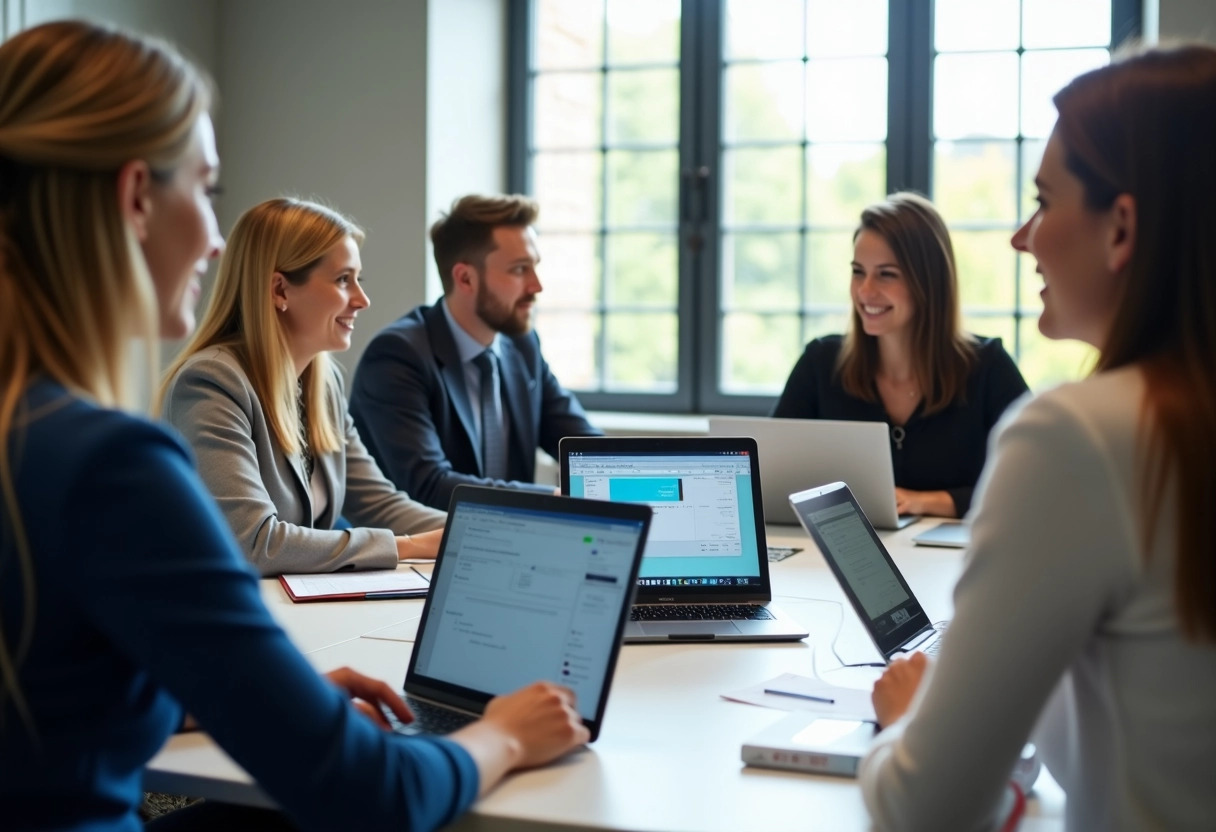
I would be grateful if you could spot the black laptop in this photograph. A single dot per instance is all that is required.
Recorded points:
(526, 587)
(705, 573)
(882, 599)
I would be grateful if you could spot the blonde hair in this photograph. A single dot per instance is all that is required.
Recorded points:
(289, 236)
(77, 102)
(942, 353)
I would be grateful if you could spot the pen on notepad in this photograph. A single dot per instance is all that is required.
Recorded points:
(823, 699)
(420, 575)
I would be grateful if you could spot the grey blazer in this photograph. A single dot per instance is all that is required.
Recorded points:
(262, 491)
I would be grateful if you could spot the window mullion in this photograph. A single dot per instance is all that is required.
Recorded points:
(700, 282)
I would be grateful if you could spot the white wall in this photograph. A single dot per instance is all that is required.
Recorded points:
(1186, 19)
(188, 23)
(466, 106)
(329, 100)
(385, 109)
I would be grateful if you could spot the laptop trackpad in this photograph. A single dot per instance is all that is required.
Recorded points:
(689, 629)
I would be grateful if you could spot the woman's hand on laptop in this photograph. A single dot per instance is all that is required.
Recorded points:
(371, 695)
(934, 503)
(894, 690)
(424, 545)
(530, 727)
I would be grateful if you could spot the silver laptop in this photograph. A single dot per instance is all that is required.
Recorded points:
(880, 596)
(704, 575)
(526, 587)
(800, 453)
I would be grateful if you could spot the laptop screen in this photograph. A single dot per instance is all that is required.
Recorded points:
(868, 575)
(521, 594)
(705, 503)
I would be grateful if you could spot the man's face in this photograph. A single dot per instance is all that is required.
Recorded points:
(509, 283)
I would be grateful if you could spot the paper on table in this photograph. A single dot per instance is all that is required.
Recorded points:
(354, 583)
(406, 630)
(850, 703)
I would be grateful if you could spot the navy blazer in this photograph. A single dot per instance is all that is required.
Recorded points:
(410, 407)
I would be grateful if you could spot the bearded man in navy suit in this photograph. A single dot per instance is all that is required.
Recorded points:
(459, 392)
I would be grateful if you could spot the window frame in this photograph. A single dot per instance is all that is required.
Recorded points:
(909, 160)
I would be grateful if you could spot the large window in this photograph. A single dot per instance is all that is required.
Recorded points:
(701, 166)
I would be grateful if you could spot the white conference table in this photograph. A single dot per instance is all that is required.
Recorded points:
(668, 754)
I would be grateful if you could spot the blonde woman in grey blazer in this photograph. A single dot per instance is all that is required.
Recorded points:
(256, 396)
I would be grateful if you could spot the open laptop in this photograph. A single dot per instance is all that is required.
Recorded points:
(799, 453)
(880, 596)
(705, 573)
(526, 587)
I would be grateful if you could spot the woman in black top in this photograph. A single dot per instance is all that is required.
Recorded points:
(905, 360)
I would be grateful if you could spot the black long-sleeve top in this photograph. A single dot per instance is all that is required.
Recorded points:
(941, 452)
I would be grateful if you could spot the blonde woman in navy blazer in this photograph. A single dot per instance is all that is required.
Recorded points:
(256, 396)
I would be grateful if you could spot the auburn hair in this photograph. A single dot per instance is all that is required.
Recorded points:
(1144, 126)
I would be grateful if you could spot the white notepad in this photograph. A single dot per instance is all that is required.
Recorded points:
(404, 582)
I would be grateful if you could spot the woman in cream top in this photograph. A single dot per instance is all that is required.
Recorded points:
(1085, 619)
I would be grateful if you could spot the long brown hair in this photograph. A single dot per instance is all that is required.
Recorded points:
(77, 102)
(1144, 126)
(942, 354)
(289, 236)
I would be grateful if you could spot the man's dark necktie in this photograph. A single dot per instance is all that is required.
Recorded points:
(493, 432)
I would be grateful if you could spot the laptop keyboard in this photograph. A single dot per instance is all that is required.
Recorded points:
(431, 719)
(700, 612)
(780, 553)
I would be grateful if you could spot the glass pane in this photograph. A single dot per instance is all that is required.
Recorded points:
(758, 352)
(816, 326)
(858, 27)
(644, 106)
(569, 270)
(568, 188)
(828, 255)
(975, 95)
(763, 102)
(763, 29)
(1045, 363)
(1032, 155)
(760, 271)
(985, 264)
(642, 187)
(572, 344)
(967, 25)
(842, 179)
(992, 326)
(568, 109)
(643, 31)
(846, 100)
(1043, 75)
(976, 181)
(641, 353)
(1048, 23)
(642, 270)
(569, 34)
(761, 186)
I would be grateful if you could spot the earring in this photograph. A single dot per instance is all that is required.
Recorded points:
(283, 307)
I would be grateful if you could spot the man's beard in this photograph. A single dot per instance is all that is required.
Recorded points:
(498, 316)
